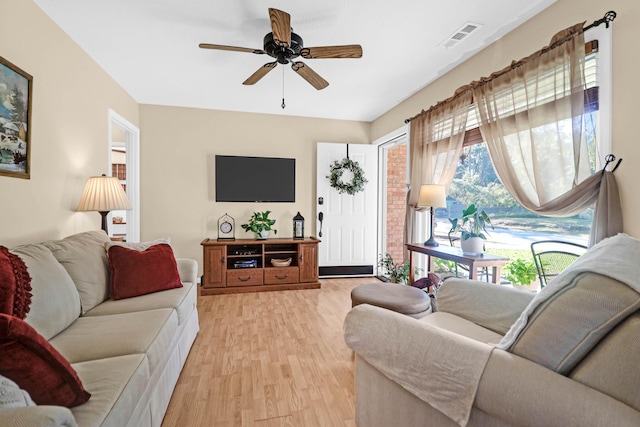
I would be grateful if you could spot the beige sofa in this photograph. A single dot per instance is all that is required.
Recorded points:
(497, 356)
(128, 353)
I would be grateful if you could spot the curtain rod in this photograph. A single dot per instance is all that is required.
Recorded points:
(608, 17)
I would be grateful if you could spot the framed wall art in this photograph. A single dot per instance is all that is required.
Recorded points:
(15, 121)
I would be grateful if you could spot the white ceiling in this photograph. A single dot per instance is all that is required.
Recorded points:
(150, 47)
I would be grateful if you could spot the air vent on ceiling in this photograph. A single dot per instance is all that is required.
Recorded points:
(460, 34)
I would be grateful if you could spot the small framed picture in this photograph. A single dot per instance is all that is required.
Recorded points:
(15, 121)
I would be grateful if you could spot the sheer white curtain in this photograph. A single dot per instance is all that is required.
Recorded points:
(435, 145)
(532, 118)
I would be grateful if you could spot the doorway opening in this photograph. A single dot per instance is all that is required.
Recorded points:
(124, 163)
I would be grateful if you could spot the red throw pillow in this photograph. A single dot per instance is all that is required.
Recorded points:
(15, 285)
(135, 273)
(31, 362)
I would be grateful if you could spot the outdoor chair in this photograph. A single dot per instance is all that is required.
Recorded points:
(553, 256)
(484, 272)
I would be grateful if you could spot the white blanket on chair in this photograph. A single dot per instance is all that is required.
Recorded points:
(617, 257)
(423, 359)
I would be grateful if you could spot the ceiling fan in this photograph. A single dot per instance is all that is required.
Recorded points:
(284, 46)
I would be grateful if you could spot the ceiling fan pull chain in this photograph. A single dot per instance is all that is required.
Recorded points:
(283, 89)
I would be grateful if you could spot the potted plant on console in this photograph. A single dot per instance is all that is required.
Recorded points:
(472, 226)
(261, 224)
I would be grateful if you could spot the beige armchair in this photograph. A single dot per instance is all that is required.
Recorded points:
(574, 363)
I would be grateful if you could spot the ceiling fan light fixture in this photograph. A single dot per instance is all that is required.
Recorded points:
(283, 54)
(284, 46)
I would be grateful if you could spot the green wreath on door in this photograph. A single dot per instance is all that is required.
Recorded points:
(338, 168)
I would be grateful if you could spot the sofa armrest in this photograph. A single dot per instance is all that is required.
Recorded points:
(439, 367)
(492, 306)
(188, 269)
(521, 392)
(40, 416)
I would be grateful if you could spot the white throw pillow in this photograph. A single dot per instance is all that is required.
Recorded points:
(138, 246)
(12, 396)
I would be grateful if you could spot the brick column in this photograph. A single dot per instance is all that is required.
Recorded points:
(396, 199)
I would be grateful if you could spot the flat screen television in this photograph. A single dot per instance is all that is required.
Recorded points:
(255, 179)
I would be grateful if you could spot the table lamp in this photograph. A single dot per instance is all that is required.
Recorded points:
(432, 196)
(103, 194)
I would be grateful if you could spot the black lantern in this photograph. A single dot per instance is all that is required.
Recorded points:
(298, 226)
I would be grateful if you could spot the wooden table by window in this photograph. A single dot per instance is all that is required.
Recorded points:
(455, 254)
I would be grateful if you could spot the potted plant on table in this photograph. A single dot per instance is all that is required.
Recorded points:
(260, 224)
(522, 273)
(472, 226)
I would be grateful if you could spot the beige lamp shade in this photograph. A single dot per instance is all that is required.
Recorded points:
(103, 194)
(432, 195)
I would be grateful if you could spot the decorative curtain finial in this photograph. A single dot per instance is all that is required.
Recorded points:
(610, 158)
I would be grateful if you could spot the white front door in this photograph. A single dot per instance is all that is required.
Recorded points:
(349, 226)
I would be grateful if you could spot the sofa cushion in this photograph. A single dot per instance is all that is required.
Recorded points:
(460, 326)
(117, 385)
(15, 285)
(29, 360)
(98, 337)
(565, 328)
(612, 367)
(55, 303)
(85, 259)
(135, 273)
(183, 300)
(493, 307)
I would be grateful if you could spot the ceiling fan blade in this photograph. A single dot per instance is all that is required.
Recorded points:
(231, 48)
(309, 75)
(347, 51)
(262, 71)
(281, 27)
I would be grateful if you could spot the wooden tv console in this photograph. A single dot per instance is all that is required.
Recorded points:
(232, 266)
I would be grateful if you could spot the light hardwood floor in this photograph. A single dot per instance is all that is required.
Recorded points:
(269, 359)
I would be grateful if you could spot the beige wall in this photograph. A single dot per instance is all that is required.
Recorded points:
(528, 38)
(71, 97)
(69, 131)
(178, 146)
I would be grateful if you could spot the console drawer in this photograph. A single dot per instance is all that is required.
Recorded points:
(244, 277)
(274, 276)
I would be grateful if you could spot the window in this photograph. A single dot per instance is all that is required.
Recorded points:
(476, 181)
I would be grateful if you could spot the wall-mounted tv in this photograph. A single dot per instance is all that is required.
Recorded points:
(255, 179)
